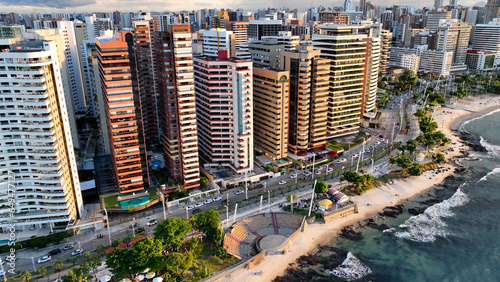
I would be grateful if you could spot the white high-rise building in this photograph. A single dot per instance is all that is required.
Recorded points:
(37, 161)
(218, 39)
(224, 111)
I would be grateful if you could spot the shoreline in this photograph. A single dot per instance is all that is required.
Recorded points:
(448, 119)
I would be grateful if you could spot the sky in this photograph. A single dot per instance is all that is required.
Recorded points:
(47, 6)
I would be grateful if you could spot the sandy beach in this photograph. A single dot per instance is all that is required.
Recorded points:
(448, 118)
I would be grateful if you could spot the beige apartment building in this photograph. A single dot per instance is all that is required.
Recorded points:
(270, 94)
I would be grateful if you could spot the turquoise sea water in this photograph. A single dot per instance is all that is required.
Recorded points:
(457, 238)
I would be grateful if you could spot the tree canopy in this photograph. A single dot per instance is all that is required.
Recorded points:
(147, 253)
(172, 232)
(321, 187)
(209, 223)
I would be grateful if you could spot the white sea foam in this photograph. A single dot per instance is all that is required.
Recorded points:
(476, 118)
(351, 269)
(427, 226)
(494, 171)
(390, 230)
(492, 149)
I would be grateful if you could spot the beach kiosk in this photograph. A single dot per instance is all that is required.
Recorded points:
(419, 157)
(324, 204)
(341, 198)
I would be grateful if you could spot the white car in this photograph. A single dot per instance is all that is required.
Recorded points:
(2, 272)
(318, 172)
(44, 259)
(200, 204)
(307, 172)
(239, 192)
(152, 222)
(282, 182)
(77, 252)
(329, 170)
(344, 160)
(293, 176)
(217, 199)
(207, 201)
(338, 161)
(190, 207)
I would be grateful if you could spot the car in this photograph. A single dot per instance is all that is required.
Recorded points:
(344, 160)
(135, 225)
(196, 211)
(200, 204)
(208, 201)
(217, 199)
(329, 170)
(318, 172)
(282, 182)
(139, 230)
(77, 252)
(44, 259)
(152, 222)
(190, 207)
(293, 176)
(260, 186)
(239, 192)
(2, 272)
(68, 247)
(338, 161)
(54, 252)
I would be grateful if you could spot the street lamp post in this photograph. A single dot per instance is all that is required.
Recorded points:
(314, 159)
(133, 227)
(33, 261)
(227, 216)
(107, 220)
(363, 153)
(187, 214)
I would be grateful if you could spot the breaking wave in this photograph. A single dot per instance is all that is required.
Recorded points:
(351, 269)
(495, 171)
(427, 226)
(492, 149)
(476, 118)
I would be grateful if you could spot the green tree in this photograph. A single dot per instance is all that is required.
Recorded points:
(75, 274)
(289, 197)
(222, 253)
(74, 259)
(440, 158)
(209, 223)
(101, 249)
(392, 161)
(42, 271)
(146, 252)
(26, 275)
(203, 181)
(58, 266)
(172, 232)
(268, 168)
(411, 146)
(119, 262)
(127, 239)
(87, 255)
(115, 243)
(351, 177)
(194, 247)
(427, 125)
(403, 162)
(94, 264)
(321, 187)
(178, 263)
(415, 170)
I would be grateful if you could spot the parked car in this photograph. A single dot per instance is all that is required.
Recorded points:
(54, 252)
(260, 186)
(338, 161)
(208, 201)
(196, 211)
(239, 192)
(44, 259)
(139, 230)
(344, 160)
(68, 247)
(2, 272)
(200, 204)
(318, 172)
(77, 252)
(190, 207)
(217, 199)
(293, 176)
(152, 222)
(329, 170)
(282, 182)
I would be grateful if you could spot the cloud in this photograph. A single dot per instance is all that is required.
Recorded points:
(58, 4)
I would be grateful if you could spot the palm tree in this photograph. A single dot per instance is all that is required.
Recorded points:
(88, 255)
(58, 266)
(26, 276)
(42, 270)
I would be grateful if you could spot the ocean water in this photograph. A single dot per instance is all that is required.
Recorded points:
(456, 238)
